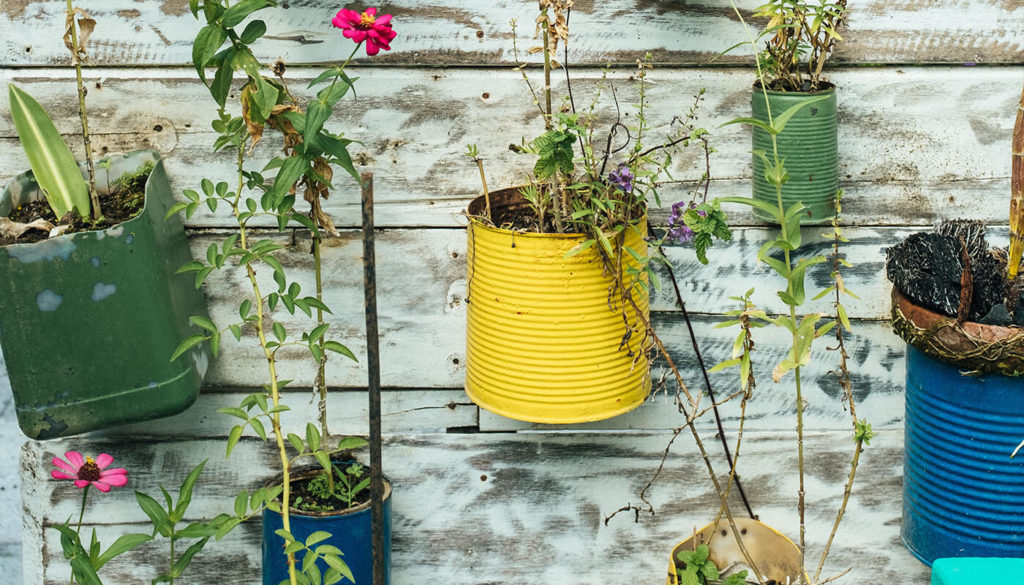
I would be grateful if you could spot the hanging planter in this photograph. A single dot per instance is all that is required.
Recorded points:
(809, 146)
(90, 319)
(546, 340)
(777, 557)
(963, 495)
(351, 531)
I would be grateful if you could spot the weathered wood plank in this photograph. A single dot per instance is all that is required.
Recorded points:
(422, 318)
(465, 32)
(916, 144)
(518, 508)
(402, 411)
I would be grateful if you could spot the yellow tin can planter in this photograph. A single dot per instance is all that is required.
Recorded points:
(547, 340)
(777, 557)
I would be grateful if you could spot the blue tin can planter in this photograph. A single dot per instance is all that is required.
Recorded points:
(351, 531)
(963, 496)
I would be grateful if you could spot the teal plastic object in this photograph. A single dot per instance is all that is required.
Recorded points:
(963, 496)
(88, 321)
(977, 571)
(809, 147)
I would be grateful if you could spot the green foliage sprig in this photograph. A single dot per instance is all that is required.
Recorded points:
(803, 35)
(311, 151)
(699, 569)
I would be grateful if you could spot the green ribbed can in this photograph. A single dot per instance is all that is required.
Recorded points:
(809, 145)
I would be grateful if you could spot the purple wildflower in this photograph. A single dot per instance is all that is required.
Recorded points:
(678, 231)
(622, 178)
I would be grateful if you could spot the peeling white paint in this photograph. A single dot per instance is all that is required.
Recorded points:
(46, 250)
(48, 300)
(102, 291)
(201, 361)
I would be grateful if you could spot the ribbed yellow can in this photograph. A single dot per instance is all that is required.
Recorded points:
(546, 340)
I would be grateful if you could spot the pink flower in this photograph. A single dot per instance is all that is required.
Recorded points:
(89, 471)
(375, 30)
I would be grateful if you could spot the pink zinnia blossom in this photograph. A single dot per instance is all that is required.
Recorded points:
(367, 26)
(89, 471)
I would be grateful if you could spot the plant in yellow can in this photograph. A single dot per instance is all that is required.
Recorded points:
(558, 271)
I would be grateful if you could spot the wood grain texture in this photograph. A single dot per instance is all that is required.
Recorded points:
(421, 290)
(516, 508)
(466, 32)
(916, 144)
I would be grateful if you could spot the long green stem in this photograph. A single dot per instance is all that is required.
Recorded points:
(268, 354)
(170, 565)
(93, 196)
(78, 529)
(792, 315)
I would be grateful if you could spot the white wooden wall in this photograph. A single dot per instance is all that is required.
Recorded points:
(928, 92)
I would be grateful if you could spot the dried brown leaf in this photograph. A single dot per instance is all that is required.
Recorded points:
(86, 25)
(14, 229)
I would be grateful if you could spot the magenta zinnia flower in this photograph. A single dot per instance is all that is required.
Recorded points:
(367, 26)
(89, 471)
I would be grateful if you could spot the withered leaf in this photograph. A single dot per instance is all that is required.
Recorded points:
(86, 25)
(14, 229)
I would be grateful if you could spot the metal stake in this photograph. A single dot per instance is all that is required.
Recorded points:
(373, 385)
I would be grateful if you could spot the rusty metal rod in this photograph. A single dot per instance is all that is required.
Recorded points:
(373, 383)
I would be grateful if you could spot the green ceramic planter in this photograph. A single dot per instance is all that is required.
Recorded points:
(89, 320)
(809, 145)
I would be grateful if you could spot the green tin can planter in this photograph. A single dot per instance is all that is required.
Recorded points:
(89, 320)
(809, 146)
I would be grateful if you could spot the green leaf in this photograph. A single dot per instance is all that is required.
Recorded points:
(208, 41)
(241, 501)
(52, 163)
(723, 365)
(328, 550)
(233, 437)
(762, 205)
(185, 492)
(279, 331)
(318, 536)
(292, 169)
(318, 332)
(186, 557)
(262, 99)
(234, 411)
(123, 544)
(349, 443)
(189, 342)
(203, 322)
(339, 565)
(253, 31)
(339, 348)
(227, 527)
(339, 149)
(841, 311)
(312, 437)
(257, 427)
(753, 122)
(316, 115)
(779, 124)
(156, 513)
(237, 13)
(83, 571)
(323, 460)
(221, 85)
(296, 442)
